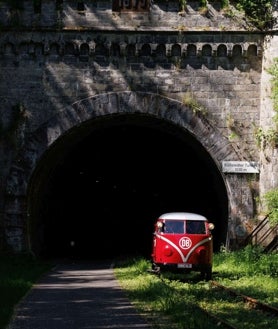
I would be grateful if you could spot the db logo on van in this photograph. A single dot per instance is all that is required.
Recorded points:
(185, 243)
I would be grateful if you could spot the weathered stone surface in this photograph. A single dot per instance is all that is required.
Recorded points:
(66, 67)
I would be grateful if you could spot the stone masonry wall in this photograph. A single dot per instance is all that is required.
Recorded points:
(61, 55)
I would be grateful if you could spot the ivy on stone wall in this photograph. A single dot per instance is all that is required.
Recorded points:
(274, 88)
(191, 102)
(271, 200)
(269, 137)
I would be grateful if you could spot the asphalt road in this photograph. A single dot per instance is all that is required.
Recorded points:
(77, 296)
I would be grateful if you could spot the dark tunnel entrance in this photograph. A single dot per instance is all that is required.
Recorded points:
(100, 200)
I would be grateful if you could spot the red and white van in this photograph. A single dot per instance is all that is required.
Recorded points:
(182, 242)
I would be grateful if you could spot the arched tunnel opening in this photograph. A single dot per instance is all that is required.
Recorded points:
(98, 190)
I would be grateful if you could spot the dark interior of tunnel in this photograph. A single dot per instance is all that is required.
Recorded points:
(101, 200)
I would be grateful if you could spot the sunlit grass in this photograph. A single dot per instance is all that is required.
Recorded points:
(178, 300)
(249, 271)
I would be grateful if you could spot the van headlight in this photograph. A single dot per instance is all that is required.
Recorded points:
(210, 226)
(168, 251)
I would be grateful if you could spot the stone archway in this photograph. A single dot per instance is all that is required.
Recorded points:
(107, 105)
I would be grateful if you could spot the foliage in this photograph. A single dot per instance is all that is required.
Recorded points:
(259, 12)
(182, 5)
(266, 137)
(203, 3)
(224, 3)
(269, 137)
(191, 102)
(246, 262)
(274, 88)
(271, 199)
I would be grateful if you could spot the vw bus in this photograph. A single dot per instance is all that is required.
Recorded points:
(182, 242)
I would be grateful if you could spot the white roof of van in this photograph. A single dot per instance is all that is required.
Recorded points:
(182, 216)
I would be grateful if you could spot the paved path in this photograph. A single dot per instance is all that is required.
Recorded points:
(77, 296)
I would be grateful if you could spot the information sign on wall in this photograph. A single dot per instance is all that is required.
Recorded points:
(249, 167)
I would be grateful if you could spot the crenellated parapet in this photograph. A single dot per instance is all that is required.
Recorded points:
(227, 51)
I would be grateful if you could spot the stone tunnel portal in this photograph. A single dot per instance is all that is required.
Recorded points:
(101, 197)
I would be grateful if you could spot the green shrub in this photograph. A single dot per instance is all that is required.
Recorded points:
(259, 12)
(271, 200)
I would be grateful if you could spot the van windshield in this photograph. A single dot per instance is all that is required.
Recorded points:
(174, 226)
(195, 227)
(182, 227)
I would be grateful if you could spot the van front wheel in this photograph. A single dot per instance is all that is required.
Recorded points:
(206, 274)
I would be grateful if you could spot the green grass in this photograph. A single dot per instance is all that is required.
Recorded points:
(178, 301)
(17, 275)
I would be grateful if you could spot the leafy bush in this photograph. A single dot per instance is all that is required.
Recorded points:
(271, 199)
(259, 12)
